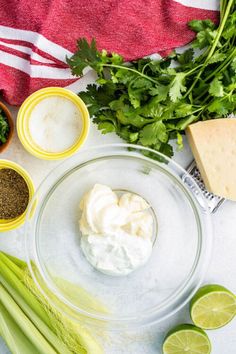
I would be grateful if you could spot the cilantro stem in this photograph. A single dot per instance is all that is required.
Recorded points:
(145, 67)
(194, 69)
(222, 8)
(198, 110)
(133, 70)
(205, 100)
(214, 44)
(223, 66)
(220, 30)
(213, 98)
(224, 45)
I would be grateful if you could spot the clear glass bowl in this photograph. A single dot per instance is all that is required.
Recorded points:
(181, 249)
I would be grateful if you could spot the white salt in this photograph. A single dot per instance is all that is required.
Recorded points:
(55, 124)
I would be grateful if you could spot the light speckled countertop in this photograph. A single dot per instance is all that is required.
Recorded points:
(222, 268)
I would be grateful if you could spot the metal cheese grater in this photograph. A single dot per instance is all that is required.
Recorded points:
(213, 201)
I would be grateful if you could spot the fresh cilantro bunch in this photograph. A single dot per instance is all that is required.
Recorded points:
(150, 101)
(4, 127)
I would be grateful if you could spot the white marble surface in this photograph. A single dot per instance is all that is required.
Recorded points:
(222, 268)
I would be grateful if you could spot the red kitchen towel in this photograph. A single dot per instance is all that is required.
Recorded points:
(36, 36)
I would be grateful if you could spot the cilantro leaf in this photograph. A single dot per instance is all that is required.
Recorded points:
(201, 25)
(217, 57)
(106, 127)
(180, 141)
(233, 64)
(131, 118)
(87, 55)
(216, 88)
(152, 133)
(177, 87)
(183, 123)
(152, 109)
(182, 110)
(204, 38)
(229, 29)
(97, 98)
(128, 135)
(136, 90)
(141, 83)
(106, 116)
(124, 76)
(186, 57)
(160, 92)
(220, 107)
(4, 127)
(166, 149)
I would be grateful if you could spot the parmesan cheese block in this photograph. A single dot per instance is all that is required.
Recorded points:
(213, 144)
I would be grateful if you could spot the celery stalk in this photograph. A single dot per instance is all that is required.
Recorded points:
(25, 324)
(64, 334)
(19, 262)
(6, 272)
(15, 339)
(72, 332)
(31, 307)
(49, 335)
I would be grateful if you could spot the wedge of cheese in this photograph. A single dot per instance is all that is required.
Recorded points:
(213, 144)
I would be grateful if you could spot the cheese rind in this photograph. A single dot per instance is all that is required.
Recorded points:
(213, 144)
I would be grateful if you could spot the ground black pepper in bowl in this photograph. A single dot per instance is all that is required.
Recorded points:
(14, 194)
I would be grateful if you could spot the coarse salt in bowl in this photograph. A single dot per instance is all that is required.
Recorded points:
(53, 123)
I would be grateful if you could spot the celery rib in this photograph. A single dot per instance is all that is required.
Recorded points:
(25, 324)
(50, 331)
(6, 272)
(15, 339)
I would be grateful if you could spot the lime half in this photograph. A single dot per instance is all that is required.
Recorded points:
(212, 307)
(186, 339)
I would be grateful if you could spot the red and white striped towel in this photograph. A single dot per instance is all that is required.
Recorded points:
(36, 36)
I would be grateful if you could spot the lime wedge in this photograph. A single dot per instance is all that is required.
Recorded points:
(186, 339)
(212, 307)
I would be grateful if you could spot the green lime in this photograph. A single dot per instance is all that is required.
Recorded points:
(186, 339)
(212, 307)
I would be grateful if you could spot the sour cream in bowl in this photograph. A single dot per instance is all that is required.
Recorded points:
(116, 231)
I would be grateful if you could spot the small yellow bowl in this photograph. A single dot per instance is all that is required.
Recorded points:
(24, 117)
(7, 225)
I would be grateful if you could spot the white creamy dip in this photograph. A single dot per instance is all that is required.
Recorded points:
(55, 124)
(116, 232)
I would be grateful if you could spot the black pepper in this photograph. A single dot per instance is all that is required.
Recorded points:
(14, 194)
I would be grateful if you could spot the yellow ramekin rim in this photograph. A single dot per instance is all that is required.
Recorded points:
(24, 116)
(7, 225)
